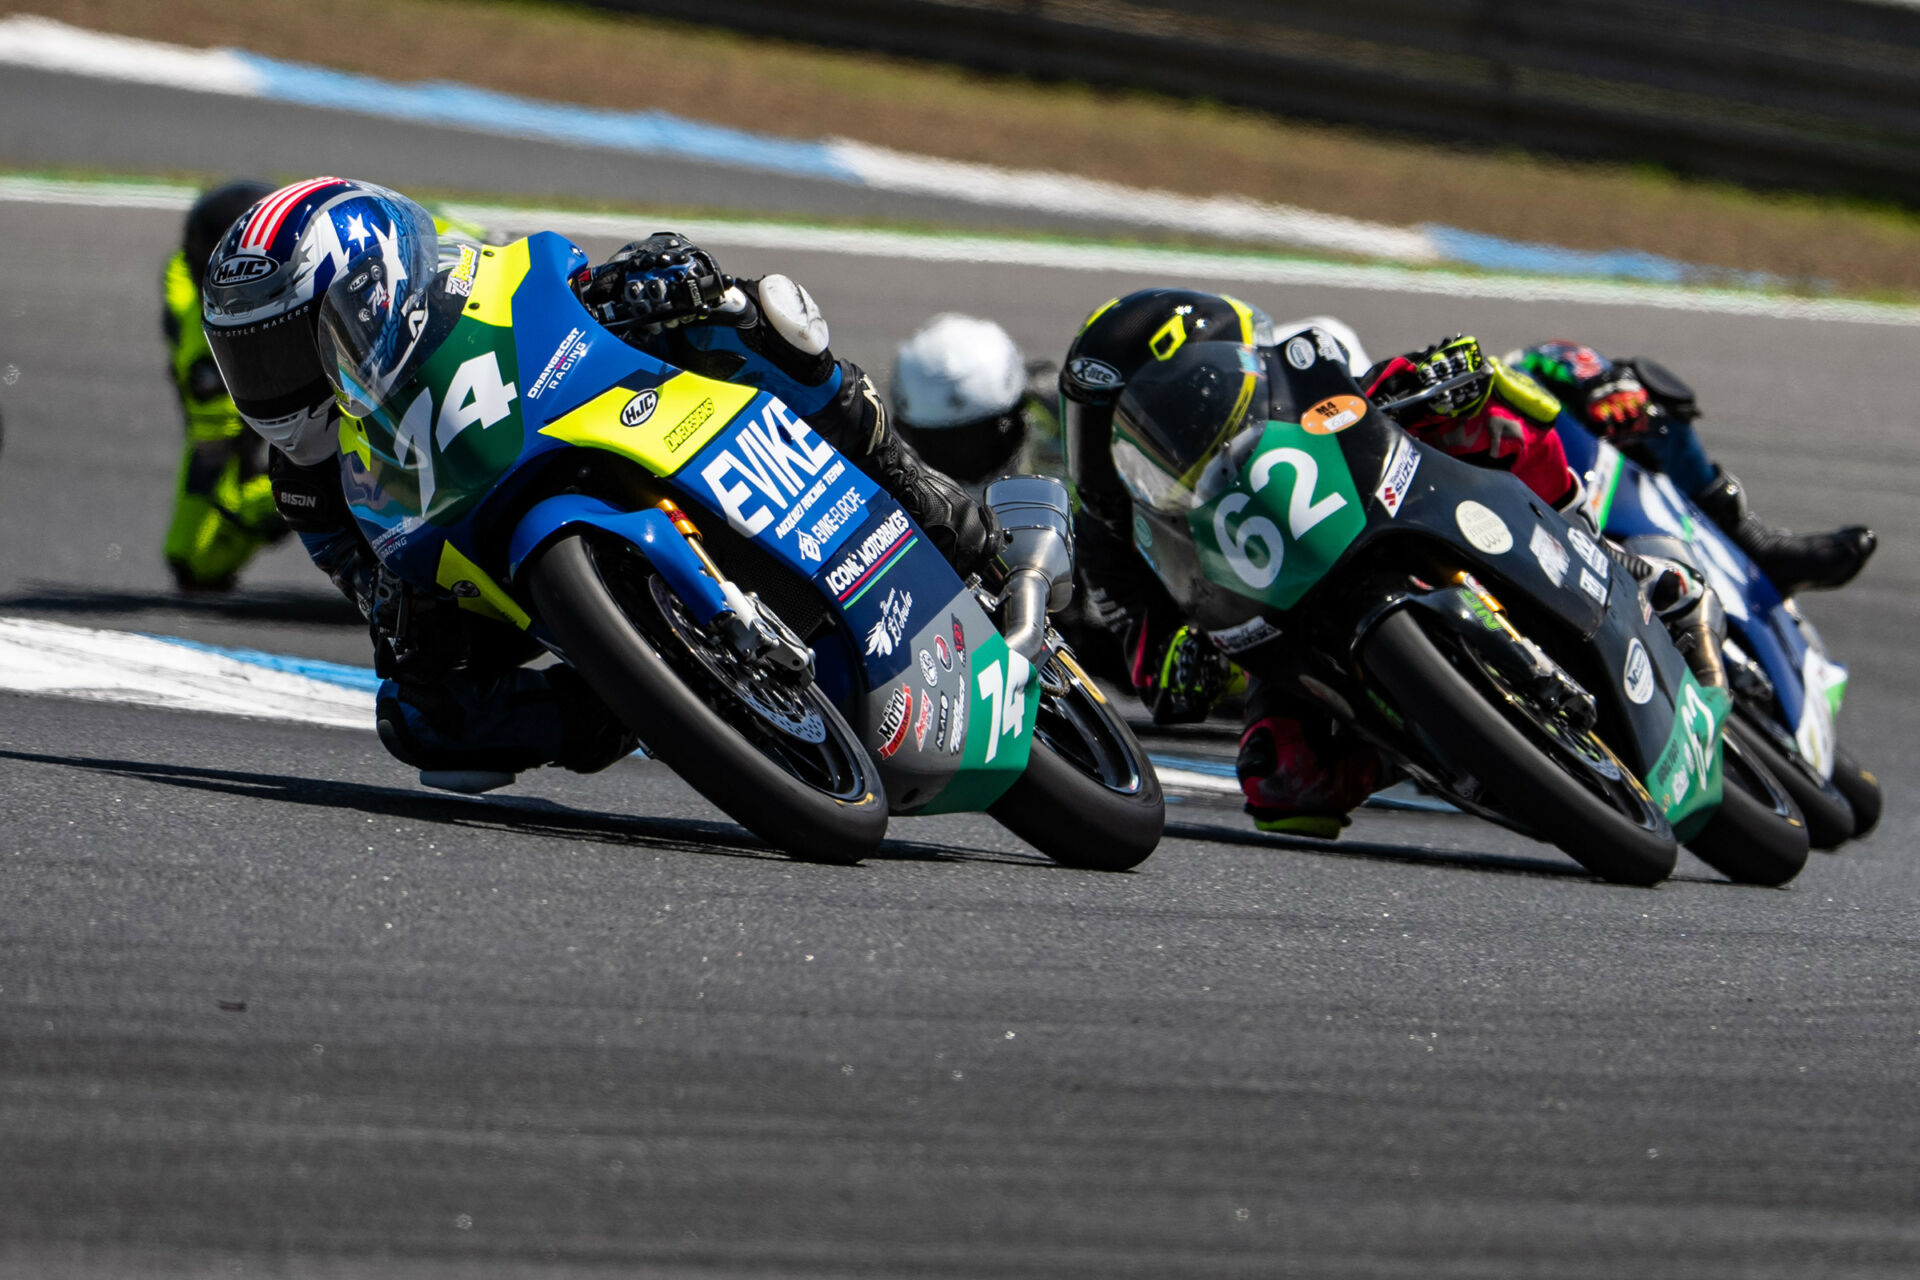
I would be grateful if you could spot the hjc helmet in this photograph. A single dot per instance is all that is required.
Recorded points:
(960, 396)
(211, 215)
(1117, 341)
(264, 282)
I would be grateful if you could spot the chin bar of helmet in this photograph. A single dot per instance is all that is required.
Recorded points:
(1033, 568)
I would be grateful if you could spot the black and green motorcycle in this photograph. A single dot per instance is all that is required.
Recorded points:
(1499, 654)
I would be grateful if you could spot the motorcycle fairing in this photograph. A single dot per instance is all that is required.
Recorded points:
(1633, 503)
(550, 378)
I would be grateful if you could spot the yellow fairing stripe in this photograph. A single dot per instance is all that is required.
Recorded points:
(501, 271)
(490, 602)
(691, 410)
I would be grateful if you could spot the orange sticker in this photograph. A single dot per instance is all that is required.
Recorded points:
(1335, 413)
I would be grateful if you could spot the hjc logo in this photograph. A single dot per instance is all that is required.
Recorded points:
(245, 267)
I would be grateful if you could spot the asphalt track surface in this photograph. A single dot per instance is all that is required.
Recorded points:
(589, 1027)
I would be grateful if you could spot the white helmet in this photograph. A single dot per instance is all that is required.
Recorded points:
(959, 391)
(1338, 330)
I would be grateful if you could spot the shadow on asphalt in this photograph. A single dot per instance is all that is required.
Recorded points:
(249, 604)
(1508, 864)
(522, 815)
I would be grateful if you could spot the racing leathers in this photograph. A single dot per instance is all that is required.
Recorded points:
(223, 510)
(1648, 413)
(455, 697)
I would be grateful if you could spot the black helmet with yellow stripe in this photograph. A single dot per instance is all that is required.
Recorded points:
(1117, 341)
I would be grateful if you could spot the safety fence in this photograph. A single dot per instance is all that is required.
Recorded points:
(1821, 94)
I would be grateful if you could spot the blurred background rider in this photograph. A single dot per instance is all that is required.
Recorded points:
(223, 509)
(971, 404)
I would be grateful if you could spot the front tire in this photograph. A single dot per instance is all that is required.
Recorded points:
(1861, 789)
(1757, 835)
(1829, 817)
(1089, 797)
(821, 801)
(1579, 797)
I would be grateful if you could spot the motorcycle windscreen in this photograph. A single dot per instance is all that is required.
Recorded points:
(1185, 424)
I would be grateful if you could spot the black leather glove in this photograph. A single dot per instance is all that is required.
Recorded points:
(655, 283)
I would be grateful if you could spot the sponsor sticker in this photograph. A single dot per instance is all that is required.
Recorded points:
(637, 410)
(957, 733)
(862, 568)
(809, 549)
(959, 636)
(943, 653)
(572, 349)
(895, 721)
(1593, 586)
(928, 670)
(940, 729)
(1255, 631)
(1589, 551)
(1300, 352)
(1483, 528)
(242, 267)
(1093, 375)
(1142, 532)
(1552, 556)
(1636, 678)
(920, 725)
(1333, 415)
(885, 633)
(460, 279)
(1396, 478)
(773, 471)
(684, 429)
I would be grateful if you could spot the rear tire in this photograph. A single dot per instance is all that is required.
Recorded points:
(618, 639)
(1829, 817)
(1089, 797)
(1608, 825)
(1861, 789)
(1757, 835)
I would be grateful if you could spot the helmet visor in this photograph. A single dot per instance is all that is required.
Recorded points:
(373, 332)
(1177, 419)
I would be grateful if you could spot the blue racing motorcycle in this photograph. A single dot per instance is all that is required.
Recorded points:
(776, 628)
(1787, 690)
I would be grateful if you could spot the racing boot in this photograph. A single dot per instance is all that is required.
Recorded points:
(1300, 775)
(1795, 562)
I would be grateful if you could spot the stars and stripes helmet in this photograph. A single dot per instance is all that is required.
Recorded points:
(260, 300)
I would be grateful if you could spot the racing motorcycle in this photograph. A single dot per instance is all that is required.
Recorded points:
(1786, 689)
(1497, 653)
(773, 625)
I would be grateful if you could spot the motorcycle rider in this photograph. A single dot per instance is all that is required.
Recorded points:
(968, 401)
(1300, 770)
(1648, 413)
(223, 510)
(455, 700)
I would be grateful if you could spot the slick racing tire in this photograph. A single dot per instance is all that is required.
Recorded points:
(1089, 797)
(819, 801)
(1861, 789)
(1757, 835)
(1576, 795)
(1829, 815)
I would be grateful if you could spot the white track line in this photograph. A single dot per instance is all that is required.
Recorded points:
(50, 658)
